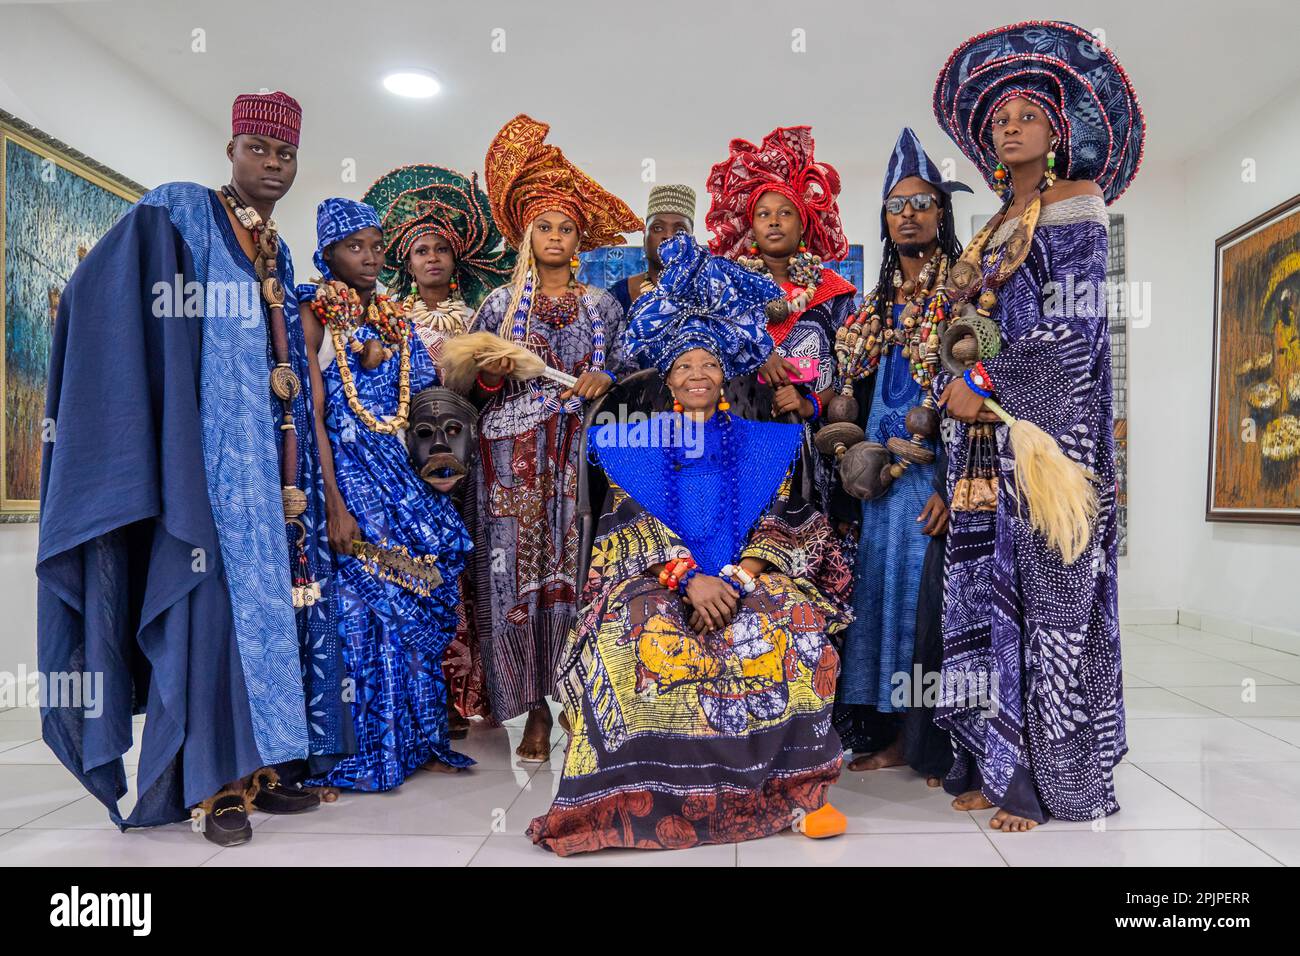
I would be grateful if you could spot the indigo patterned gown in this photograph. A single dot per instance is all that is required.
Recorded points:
(393, 638)
(526, 532)
(682, 738)
(891, 550)
(1043, 636)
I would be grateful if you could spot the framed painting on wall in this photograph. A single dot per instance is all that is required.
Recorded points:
(1254, 468)
(55, 203)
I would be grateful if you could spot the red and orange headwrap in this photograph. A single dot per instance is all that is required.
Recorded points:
(784, 164)
(525, 178)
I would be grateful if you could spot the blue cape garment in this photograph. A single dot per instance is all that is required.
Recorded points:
(696, 502)
(134, 584)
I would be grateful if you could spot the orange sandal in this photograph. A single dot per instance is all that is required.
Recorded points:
(824, 822)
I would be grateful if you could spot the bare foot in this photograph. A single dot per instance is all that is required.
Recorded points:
(434, 765)
(933, 782)
(328, 794)
(1010, 823)
(891, 756)
(971, 800)
(536, 745)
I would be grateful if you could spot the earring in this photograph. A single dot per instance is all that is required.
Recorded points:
(677, 406)
(1050, 175)
(802, 246)
(415, 289)
(723, 405)
(454, 285)
(1000, 179)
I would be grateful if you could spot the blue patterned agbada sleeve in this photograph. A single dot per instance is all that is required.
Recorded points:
(1047, 371)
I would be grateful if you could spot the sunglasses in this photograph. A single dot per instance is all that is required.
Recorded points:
(920, 202)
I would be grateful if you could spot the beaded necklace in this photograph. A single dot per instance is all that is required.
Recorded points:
(974, 273)
(519, 333)
(673, 465)
(805, 271)
(285, 386)
(862, 339)
(450, 316)
(339, 308)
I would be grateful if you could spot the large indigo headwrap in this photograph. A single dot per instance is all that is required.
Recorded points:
(701, 302)
(1066, 72)
(338, 218)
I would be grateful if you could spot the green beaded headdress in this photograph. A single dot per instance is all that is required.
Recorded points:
(423, 199)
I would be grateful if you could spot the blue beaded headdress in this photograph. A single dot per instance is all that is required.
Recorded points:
(702, 301)
(338, 218)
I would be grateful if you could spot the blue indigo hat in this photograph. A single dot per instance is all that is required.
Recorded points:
(909, 158)
(702, 302)
(336, 219)
(1066, 72)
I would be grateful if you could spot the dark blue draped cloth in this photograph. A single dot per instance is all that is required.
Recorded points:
(133, 588)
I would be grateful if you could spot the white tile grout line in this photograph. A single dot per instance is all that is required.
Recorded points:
(479, 849)
(1204, 810)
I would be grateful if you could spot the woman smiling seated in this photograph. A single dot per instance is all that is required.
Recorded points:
(699, 679)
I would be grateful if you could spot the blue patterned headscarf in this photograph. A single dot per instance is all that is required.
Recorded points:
(338, 218)
(701, 302)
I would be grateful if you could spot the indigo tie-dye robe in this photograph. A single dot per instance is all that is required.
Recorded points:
(393, 639)
(164, 558)
(1041, 637)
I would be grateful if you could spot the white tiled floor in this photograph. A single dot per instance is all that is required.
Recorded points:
(1212, 779)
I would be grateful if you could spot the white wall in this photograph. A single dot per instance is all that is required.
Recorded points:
(1245, 572)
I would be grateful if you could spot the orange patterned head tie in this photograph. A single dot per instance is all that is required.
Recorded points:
(525, 178)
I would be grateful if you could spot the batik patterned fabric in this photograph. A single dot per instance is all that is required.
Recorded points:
(1042, 636)
(393, 638)
(1070, 75)
(891, 550)
(682, 739)
(526, 537)
(291, 659)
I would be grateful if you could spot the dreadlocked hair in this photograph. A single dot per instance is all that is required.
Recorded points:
(949, 246)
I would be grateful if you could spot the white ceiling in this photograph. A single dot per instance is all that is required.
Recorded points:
(672, 80)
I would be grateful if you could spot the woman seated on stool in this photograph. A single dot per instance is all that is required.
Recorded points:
(699, 678)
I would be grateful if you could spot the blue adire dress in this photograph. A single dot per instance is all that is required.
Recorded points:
(891, 550)
(1043, 636)
(164, 558)
(393, 639)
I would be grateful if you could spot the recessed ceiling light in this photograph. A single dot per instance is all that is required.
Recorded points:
(416, 84)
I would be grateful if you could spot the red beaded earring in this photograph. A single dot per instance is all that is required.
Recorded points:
(677, 406)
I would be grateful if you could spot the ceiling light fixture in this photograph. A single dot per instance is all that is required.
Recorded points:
(415, 84)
